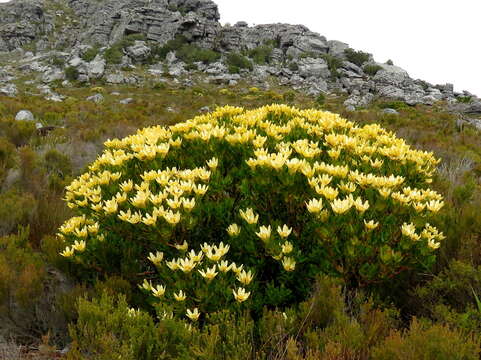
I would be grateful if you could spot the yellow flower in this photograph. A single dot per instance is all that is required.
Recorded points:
(213, 163)
(68, 252)
(172, 265)
(82, 233)
(284, 231)
(371, 225)
(140, 199)
(222, 249)
(171, 217)
(174, 203)
(224, 266)
(196, 257)
(201, 189)
(188, 204)
(193, 315)
(158, 291)
(435, 205)
(409, 230)
(433, 244)
(249, 216)
(156, 258)
(182, 247)
(341, 206)
(244, 277)
(264, 233)
(79, 246)
(287, 247)
(180, 296)
(146, 285)
(314, 206)
(241, 295)
(149, 219)
(233, 230)
(186, 265)
(384, 192)
(94, 228)
(360, 206)
(289, 264)
(209, 273)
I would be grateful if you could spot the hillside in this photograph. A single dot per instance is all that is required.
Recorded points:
(76, 73)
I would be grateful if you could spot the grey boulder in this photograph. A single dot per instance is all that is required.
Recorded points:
(24, 115)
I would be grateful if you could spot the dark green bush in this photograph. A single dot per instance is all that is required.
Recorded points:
(356, 57)
(58, 61)
(190, 53)
(71, 73)
(371, 70)
(333, 64)
(389, 62)
(114, 54)
(172, 45)
(236, 61)
(464, 99)
(261, 54)
(90, 54)
(293, 66)
(320, 99)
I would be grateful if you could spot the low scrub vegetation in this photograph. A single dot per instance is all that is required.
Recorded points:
(221, 237)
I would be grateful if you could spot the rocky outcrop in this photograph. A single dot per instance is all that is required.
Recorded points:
(294, 55)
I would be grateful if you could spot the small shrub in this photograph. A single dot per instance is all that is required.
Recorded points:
(372, 70)
(290, 95)
(58, 61)
(356, 57)
(430, 342)
(192, 53)
(237, 61)
(90, 54)
(321, 99)
(464, 99)
(114, 54)
(71, 73)
(293, 66)
(333, 64)
(390, 62)
(261, 54)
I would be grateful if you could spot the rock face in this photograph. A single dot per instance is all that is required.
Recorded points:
(89, 32)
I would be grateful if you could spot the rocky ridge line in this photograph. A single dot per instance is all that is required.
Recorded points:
(46, 37)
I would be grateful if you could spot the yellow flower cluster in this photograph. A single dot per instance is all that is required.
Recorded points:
(214, 253)
(339, 160)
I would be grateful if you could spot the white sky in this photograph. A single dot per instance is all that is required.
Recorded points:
(434, 40)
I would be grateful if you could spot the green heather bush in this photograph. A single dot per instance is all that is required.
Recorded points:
(356, 57)
(236, 62)
(371, 70)
(243, 209)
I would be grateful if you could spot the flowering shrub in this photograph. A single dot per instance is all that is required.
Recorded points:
(248, 207)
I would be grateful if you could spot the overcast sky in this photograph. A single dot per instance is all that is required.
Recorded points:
(434, 40)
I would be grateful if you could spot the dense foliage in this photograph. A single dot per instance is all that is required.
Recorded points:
(419, 313)
(258, 197)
